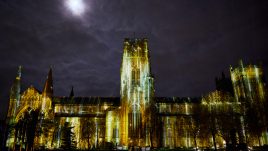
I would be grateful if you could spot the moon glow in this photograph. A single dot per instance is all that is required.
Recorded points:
(77, 7)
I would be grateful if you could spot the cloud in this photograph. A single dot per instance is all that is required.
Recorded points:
(190, 43)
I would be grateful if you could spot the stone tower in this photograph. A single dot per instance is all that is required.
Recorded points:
(136, 93)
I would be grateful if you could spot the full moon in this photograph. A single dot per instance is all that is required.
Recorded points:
(76, 7)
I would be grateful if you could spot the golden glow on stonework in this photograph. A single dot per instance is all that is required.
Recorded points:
(136, 92)
(137, 117)
(247, 82)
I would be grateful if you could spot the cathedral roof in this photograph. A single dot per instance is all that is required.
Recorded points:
(94, 100)
(177, 100)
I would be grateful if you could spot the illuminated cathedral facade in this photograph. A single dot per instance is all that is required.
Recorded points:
(40, 120)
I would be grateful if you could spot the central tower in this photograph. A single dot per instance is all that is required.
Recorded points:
(136, 92)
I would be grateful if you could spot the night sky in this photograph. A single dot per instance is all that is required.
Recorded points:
(190, 42)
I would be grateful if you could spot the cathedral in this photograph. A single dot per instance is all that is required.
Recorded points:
(137, 119)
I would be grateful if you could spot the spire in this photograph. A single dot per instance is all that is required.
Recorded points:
(48, 87)
(15, 95)
(241, 63)
(72, 92)
(19, 73)
(15, 89)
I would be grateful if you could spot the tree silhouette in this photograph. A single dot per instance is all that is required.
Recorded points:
(88, 130)
(25, 129)
(151, 122)
(254, 122)
(194, 124)
(67, 137)
(209, 117)
(31, 125)
(227, 128)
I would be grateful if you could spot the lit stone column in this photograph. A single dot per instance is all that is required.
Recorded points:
(109, 126)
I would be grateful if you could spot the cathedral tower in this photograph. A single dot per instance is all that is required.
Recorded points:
(136, 93)
(248, 83)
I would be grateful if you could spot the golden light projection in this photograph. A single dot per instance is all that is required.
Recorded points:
(137, 119)
(136, 92)
(248, 82)
(249, 87)
(15, 95)
(112, 127)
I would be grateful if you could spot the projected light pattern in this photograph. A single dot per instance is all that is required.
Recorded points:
(249, 89)
(248, 82)
(40, 120)
(14, 104)
(136, 92)
(112, 127)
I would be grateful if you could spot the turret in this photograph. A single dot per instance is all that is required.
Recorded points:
(72, 92)
(224, 83)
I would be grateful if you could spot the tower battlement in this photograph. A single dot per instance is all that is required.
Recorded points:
(136, 47)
